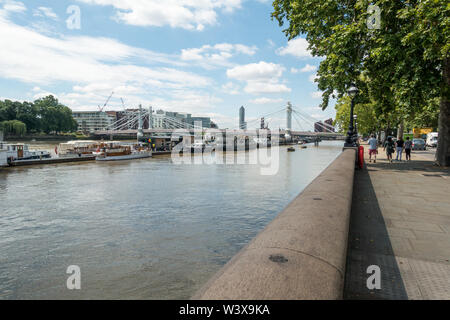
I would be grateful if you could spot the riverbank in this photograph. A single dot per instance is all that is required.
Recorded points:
(400, 222)
(44, 138)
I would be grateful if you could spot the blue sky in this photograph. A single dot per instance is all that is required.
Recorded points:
(205, 57)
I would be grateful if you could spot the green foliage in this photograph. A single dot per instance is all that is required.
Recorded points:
(427, 117)
(401, 62)
(44, 115)
(15, 127)
(401, 66)
(366, 118)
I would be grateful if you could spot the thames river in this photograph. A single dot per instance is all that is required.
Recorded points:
(145, 229)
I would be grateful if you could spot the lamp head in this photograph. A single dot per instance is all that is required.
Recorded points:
(352, 91)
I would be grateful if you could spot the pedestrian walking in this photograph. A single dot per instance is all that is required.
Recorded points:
(400, 145)
(389, 148)
(408, 147)
(373, 148)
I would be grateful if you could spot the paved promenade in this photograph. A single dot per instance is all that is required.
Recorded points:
(400, 222)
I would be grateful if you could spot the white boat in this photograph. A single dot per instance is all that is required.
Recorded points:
(17, 152)
(3, 157)
(116, 151)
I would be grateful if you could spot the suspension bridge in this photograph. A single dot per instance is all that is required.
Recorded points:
(131, 124)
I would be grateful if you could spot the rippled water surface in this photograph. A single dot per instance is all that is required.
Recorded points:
(145, 229)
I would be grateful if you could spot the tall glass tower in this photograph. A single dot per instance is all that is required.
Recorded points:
(242, 123)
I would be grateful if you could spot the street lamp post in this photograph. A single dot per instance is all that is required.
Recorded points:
(350, 141)
(356, 128)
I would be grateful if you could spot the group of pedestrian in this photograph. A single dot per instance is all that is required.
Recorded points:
(390, 146)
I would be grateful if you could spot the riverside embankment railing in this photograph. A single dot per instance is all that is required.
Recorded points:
(302, 253)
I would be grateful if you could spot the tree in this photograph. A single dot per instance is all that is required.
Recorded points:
(368, 122)
(404, 63)
(26, 112)
(54, 117)
(14, 127)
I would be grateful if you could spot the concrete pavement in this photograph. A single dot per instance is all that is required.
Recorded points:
(400, 221)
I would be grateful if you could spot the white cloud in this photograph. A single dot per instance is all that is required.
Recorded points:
(266, 101)
(43, 94)
(307, 68)
(11, 6)
(297, 48)
(223, 121)
(262, 77)
(218, 55)
(256, 71)
(76, 62)
(45, 12)
(186, 14)
(265, 87)
(32, 57)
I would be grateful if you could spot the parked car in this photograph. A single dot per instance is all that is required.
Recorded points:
(419, 144)
(432, 139)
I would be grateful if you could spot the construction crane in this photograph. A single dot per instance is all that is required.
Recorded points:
(123, 104)
(107, 100)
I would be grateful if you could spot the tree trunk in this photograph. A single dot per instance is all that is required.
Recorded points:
(443, 151)
(400, 130)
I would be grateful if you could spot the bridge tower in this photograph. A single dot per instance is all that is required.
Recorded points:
(140, 133)
(150, 117)
(289, 122)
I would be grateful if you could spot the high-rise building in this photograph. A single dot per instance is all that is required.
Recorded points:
(242, 123)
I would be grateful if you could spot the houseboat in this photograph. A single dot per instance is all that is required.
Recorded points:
(17, 152)
(115, 151)
(78, 148)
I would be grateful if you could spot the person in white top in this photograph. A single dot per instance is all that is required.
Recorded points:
(373, 148)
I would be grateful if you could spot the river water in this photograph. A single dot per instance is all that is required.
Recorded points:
(145, 229)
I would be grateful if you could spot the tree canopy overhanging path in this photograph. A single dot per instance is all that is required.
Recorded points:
(396, 52)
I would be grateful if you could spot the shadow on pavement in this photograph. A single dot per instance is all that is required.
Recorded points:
(423, 167)
(369, 244)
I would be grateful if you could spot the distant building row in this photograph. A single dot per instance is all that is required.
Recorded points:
(90, 121)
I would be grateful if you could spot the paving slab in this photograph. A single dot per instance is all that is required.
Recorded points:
(400, 222)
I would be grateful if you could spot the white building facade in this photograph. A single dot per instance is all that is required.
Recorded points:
(90, 121)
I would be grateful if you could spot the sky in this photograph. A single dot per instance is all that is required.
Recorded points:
(204, 57)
